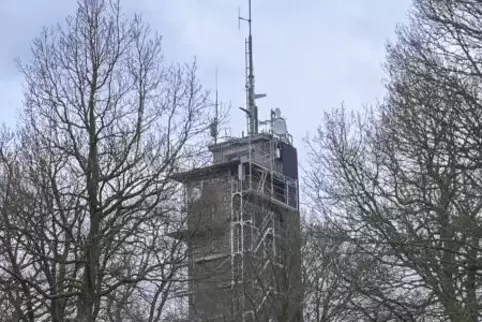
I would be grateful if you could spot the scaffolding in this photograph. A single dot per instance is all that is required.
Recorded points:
(234, 229)
(252, 189)
(259, 192)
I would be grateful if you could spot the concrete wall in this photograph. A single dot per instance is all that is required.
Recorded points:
(210, 261)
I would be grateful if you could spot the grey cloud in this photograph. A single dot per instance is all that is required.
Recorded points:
(309, 55)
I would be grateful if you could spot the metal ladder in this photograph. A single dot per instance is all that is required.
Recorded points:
(262, 181)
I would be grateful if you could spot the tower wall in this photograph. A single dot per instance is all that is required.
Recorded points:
(243, 233)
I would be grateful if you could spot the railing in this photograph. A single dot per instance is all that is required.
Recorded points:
(278, 187)
(264, 158)
(266, 221)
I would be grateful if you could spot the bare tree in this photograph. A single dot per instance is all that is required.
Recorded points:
(370, 187)
(16, 299)
(342, 282)
(405, 181)
(325, 295)
(106, 124)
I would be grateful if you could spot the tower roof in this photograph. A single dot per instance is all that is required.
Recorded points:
(208, 171)
(240, 141)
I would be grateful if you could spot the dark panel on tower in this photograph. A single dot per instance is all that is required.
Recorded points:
(289, 157)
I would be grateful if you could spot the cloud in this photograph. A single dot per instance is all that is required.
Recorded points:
(309, 56)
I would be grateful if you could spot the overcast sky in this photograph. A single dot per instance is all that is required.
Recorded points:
(310, 55)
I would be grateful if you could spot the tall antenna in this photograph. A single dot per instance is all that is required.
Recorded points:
(215, 123)
(217, 92)
(251, 96)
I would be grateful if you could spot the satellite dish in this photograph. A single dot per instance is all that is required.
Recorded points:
(277, 112)
(279, 126)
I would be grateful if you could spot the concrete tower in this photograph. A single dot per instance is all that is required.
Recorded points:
(243, 222)
(244, 232)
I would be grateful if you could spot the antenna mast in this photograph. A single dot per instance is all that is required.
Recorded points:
(215, 123)
(251, 96)
(217, 91)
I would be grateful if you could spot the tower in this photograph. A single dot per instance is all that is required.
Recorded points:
(243, 222)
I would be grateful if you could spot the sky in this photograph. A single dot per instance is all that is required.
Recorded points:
(309, 56)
